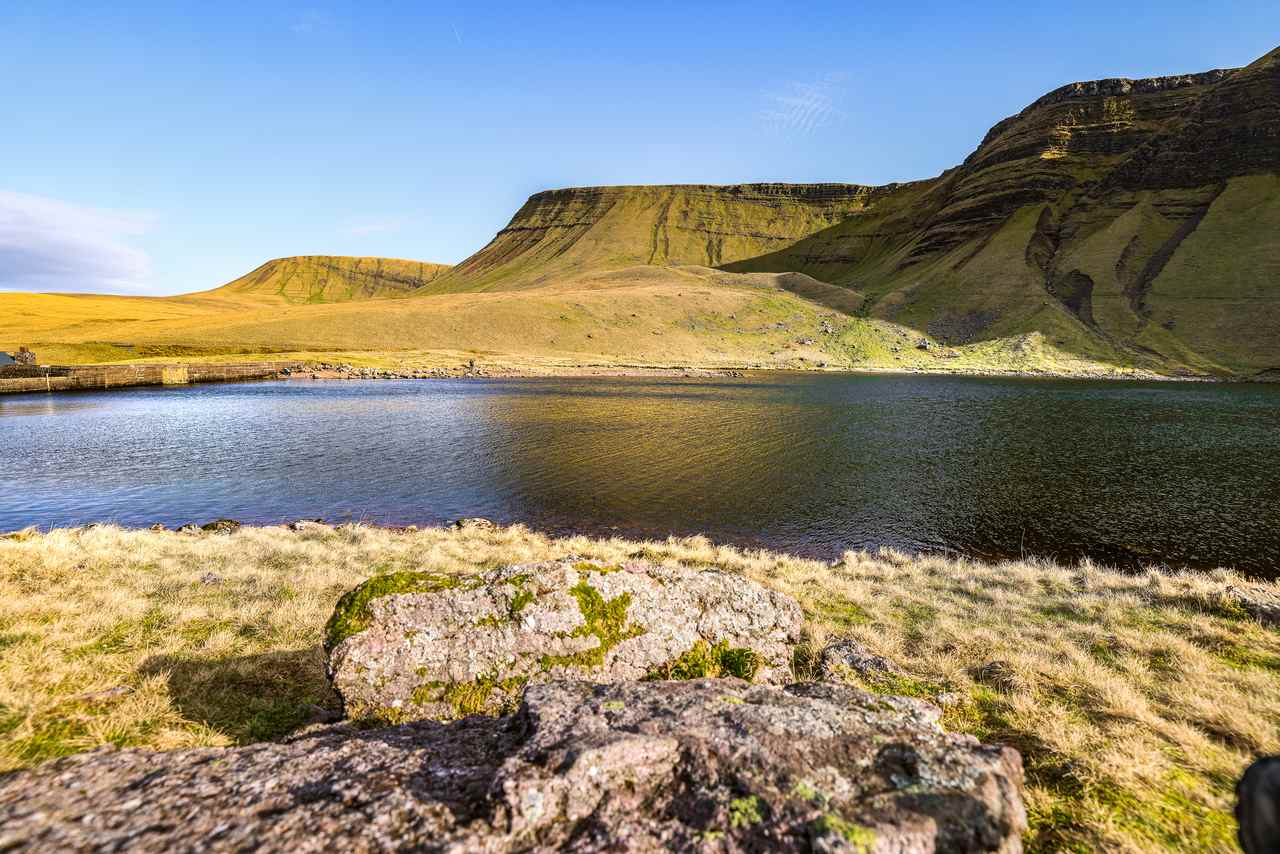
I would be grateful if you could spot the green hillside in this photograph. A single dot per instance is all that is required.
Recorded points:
(329, 278)
(1111, 226)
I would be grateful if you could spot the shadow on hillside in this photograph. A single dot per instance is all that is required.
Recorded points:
(252, 697)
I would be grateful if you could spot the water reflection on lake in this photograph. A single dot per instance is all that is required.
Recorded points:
(1125, 473)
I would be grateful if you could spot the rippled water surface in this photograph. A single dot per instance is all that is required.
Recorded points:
(1126, 473)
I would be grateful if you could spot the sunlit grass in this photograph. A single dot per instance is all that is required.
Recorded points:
(1135, 699)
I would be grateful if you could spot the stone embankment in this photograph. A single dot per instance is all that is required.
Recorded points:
(73, 377)
(344, 371)
(638, 720)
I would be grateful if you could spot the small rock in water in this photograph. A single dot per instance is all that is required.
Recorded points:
(418, 644)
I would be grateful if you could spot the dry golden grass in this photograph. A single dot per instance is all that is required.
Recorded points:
(639, 316)
(1136, 699)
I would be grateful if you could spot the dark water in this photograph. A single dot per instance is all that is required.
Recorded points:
(1126, 473)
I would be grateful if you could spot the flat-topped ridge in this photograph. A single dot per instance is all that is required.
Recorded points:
(1117, 86)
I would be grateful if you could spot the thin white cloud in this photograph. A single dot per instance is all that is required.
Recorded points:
(804, 107)
(50, 245)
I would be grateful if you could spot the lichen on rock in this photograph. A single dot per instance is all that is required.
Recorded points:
(636, 766)
(418, 644)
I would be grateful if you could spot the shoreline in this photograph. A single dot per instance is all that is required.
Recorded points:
(150, 374)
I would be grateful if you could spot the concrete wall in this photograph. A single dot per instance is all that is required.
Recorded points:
(21, 378)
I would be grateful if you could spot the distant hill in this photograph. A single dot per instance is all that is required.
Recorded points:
(332, 278)
(1115, 224)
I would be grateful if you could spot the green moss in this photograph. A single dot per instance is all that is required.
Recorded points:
(8, 640)
(606, 621)
(845, 613)
(863, 839)
(520, 601)
(707, 661)
(351, 615)
(1174, 816)
(585, 566)
(896, 685)
(1243, 658)
(470, 698)
(744, 812)
(806, 792)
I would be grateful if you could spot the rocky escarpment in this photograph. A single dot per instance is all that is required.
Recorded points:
(328, 278)
(1128, 220)
(716, 765)
(418, 644)
(560, 232)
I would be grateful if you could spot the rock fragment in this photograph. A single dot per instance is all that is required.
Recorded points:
(417, 644)
(650, 766)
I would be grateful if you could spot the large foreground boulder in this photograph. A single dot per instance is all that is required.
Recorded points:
(713, 765)
(424, 645)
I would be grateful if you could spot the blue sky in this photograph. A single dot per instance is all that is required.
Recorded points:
(170, 147)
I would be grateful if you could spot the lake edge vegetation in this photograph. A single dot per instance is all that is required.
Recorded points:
(1135, 699)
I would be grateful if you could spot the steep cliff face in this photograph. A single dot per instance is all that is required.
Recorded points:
(1132, 220)
(329, 278)
(560, 232)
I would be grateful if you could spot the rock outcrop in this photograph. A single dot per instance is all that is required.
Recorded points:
(846, 657)
(558, 232)
(410, 645)
(715, 765)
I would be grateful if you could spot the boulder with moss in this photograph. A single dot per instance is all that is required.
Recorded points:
(426, 645)
(709, 764)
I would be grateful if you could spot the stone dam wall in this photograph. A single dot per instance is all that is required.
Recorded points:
(21, 378)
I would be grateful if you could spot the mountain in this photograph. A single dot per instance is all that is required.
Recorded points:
(1111, 225)
(562, 233)
(1126, 221)
(330, 278)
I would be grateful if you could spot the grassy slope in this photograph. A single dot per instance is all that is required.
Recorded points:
(1136, 700)
(1093, 183)
(327, 278)
(676, 316)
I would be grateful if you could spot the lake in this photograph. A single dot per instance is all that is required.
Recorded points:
(1126, 473)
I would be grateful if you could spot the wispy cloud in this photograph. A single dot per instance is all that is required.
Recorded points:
(803, 107)
(359, 228)
(50, 245)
